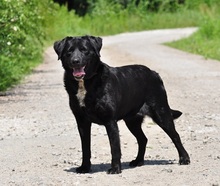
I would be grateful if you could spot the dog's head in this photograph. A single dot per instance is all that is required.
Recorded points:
(79, 55)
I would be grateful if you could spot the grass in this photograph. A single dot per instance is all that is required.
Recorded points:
(110, 23)
(209, 48)
(206, 41)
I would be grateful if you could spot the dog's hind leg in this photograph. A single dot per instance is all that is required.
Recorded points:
(163, 117)
(134, 125)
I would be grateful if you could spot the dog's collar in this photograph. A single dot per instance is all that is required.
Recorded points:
(85, 77)
(90, 77)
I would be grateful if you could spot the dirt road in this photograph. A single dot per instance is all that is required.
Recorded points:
(39, 141)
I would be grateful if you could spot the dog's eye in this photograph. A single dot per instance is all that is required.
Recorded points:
(68, 54)
(83, 49)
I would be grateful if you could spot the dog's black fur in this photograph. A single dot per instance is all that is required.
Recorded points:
(102, 94)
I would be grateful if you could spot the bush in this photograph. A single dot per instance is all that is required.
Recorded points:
(21, 40)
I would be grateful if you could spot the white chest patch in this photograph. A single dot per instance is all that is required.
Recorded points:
(81, 93)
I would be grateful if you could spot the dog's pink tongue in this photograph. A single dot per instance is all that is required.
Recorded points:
(78, 72)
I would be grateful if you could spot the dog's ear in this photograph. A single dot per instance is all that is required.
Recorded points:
(59, 46)
(96, 42)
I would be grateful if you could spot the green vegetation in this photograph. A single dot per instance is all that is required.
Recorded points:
(206, 41)
(28, 26)
(108, 17)
(21, 38)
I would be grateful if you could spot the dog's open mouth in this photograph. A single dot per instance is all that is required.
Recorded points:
(79, 73)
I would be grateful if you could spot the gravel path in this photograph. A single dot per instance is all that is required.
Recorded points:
(39, 141)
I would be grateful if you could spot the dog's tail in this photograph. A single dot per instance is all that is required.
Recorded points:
(176, 113)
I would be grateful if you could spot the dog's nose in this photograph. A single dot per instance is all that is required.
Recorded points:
(75, 61)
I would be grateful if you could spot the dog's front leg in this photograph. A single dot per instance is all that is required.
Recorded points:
(113, 134)
(85, 135)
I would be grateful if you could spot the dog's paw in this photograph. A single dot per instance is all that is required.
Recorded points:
(83, 169)
(184, 161)
(114, 171)
(136, 163)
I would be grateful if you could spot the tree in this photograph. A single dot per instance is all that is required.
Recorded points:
(80, 6)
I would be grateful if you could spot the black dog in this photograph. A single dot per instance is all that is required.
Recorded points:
(102, 94)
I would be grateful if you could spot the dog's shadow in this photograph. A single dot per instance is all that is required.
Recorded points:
(125, 165)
